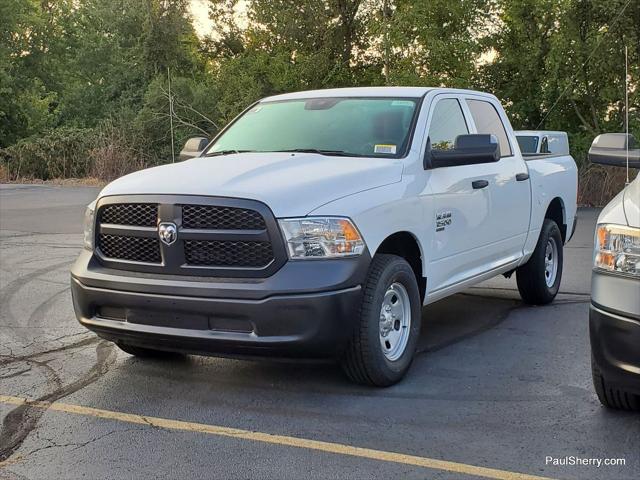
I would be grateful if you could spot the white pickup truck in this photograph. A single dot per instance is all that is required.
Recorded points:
(317, 224)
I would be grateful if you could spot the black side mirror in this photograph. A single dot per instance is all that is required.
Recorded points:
(467, 150)
(611, 149)
(193, 147)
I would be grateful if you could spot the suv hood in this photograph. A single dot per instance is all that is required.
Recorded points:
(624, 208)
(632, 203)
(291, 184)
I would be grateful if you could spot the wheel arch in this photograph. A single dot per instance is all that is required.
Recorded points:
(556, 211)
(406, 245)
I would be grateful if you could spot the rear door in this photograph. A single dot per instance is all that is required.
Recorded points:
(510, 191)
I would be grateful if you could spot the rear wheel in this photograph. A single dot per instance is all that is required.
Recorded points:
(385, 338)
(143, 352)
(539, 279)
(610, 396)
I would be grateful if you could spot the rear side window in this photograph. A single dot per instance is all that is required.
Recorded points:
(528, 143)
(447, 122)
(487, 120)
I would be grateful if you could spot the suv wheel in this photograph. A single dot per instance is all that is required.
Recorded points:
(613, 397)
(539, 279)
(387, 330)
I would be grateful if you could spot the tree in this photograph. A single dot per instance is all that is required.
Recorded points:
(435, 42)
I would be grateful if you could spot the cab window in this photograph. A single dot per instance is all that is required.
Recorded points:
(447, 122)
(487, 120)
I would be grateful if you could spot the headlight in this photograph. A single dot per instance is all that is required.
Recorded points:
(89, 215)
(321, 237)
(617, 249)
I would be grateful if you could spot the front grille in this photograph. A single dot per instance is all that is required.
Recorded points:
(221, 218)
(136, 249)
(136, 214)
(216, 236)
(228, 253)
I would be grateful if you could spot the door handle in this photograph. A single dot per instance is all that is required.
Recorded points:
(477, 184)
(521, 177)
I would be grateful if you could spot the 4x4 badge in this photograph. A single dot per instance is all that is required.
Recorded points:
(168, 233)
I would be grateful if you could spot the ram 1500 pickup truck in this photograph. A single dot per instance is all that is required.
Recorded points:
(317, 224)
(614, 315)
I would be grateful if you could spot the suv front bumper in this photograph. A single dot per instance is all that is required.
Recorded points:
(305, 309)
(614, 327)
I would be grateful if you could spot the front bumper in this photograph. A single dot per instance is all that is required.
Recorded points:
(306, 309)
(615, 345)
(614, 326)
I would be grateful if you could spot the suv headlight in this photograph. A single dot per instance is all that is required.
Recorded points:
(617, 249)
(89, 216)
(321, 237)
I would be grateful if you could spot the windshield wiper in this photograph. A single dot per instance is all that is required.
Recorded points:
(335, 153)
(226, 152)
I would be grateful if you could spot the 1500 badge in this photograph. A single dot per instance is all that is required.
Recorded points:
(443, 220)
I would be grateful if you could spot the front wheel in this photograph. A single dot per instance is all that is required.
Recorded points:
(388, 326)
(539, 279)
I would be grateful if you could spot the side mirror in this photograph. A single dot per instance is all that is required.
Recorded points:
(193, 147)
(611, 149)
(467, 150)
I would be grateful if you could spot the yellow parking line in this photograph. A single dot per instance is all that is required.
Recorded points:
(329, 447)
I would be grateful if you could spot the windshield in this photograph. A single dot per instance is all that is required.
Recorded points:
(528, 144)
(371, 127)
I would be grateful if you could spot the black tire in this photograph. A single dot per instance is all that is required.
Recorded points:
(531, 278)
(610, 396)
(144, 352)
(364, 361)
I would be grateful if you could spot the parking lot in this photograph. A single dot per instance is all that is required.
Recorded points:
(497, 388)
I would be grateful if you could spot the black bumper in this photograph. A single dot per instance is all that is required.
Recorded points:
(306, 309)
(615, 344)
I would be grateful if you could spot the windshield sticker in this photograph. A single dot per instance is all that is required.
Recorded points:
(403, 103)
(385, 149)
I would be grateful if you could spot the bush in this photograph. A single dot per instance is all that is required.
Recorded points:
(106, 152)
(60, 153)
(116, 151)
(597, 184)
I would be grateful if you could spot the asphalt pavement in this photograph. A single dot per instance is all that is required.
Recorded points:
(498, 388)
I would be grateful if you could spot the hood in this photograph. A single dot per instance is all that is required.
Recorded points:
(290, 184)
(623, 209)
(632, 203)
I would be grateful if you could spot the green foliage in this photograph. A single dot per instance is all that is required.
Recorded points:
(60, 153)
(436, 42)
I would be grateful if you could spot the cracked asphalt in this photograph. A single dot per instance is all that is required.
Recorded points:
(496, 384)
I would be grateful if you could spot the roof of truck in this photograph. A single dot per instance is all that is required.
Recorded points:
(407, 92)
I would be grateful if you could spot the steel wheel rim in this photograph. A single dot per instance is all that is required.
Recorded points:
(551, 262)
(395, 321)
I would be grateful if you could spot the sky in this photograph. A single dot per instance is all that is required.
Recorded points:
(200, 12)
